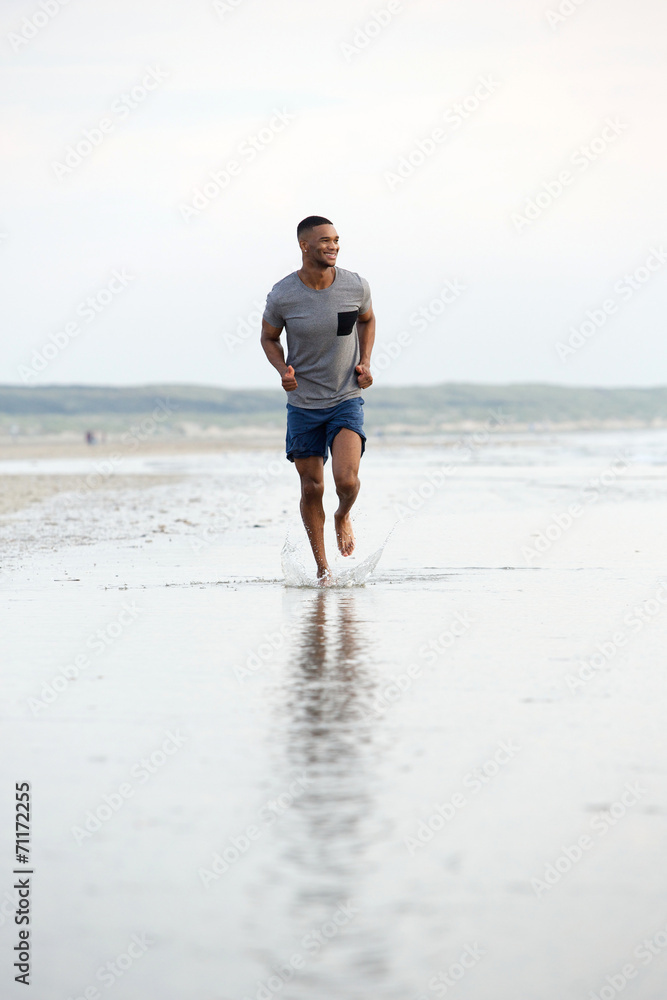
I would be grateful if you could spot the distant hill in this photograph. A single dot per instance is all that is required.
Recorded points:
(45, 409)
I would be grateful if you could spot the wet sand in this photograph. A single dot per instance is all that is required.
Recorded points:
(21, 491)
(451, 778)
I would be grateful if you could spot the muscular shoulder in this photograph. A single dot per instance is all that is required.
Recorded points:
(350, 278)
(285, 286)
(353, 282)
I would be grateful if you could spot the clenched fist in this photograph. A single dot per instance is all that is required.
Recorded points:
(364, 377)
(288, 380)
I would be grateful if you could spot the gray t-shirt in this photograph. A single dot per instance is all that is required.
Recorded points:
(322, 341)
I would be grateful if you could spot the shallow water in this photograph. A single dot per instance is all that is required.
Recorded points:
(366, 780)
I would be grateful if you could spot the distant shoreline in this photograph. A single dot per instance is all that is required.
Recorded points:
(185, 412)
(71, 444)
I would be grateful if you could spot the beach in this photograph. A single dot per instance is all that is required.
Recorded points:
(441, 776)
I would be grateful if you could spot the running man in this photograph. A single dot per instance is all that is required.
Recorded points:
(327, 315)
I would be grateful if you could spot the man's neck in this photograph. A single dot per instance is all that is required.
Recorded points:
(317, 277)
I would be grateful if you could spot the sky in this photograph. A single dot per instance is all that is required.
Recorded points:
(495, 169)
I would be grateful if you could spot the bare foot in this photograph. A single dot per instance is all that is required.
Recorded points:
(324, 576)
(344, 534)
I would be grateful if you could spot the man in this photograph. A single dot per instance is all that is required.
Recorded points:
(327, 315)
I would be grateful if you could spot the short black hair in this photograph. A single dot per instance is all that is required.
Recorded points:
(310, 222)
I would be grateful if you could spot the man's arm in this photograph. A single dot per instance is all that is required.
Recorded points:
(366, 334)
(273, 349)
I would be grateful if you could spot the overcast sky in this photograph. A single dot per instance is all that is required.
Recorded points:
(522, 240)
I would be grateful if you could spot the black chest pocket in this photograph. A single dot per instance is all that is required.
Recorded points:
(346, 323)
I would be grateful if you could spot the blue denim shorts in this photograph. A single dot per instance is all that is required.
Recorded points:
(311, 432)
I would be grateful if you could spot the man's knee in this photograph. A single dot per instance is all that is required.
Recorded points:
(312, 489)
(347, 484)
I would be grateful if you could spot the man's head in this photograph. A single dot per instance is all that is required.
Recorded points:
(318, 240)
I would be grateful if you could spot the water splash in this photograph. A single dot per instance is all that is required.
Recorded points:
(297, 575)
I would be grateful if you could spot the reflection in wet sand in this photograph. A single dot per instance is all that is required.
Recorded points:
(325, 842)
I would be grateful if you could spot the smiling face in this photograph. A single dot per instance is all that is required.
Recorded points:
(320, 246)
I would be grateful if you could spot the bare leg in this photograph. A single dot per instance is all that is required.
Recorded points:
(311, 471)
(346, 455)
